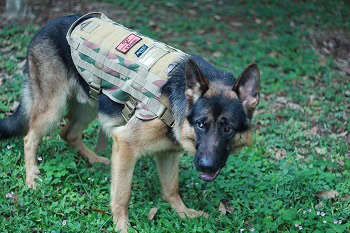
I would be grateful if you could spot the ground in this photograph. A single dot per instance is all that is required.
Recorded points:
(294, 178)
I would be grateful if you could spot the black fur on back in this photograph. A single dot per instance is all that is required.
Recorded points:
(56, 31)
(174, 88)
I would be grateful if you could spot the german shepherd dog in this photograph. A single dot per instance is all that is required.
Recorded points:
(212, 111)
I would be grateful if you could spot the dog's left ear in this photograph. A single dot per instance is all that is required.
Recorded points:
(247, 88)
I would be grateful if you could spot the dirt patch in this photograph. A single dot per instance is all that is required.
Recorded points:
(335, 43)
(42, 11)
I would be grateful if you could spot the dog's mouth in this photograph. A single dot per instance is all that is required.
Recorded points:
(208, 177)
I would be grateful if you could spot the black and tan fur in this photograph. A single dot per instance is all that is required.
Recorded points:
(212, 112)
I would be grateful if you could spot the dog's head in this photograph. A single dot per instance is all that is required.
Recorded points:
(218, 116)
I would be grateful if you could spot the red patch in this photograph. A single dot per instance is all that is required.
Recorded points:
(128, 43)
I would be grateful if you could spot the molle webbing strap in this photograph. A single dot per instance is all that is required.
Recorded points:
(99, 63)
(145, 82)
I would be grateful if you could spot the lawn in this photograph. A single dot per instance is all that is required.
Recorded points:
(294, 178)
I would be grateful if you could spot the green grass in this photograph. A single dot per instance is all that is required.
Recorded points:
(301, 90)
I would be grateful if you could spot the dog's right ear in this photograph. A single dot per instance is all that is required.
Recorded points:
(196, 83)
(247, 88)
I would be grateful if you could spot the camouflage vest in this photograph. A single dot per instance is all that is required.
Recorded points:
(126, 66)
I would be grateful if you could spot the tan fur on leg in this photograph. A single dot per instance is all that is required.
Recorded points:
(168, 169)
(123, 163)
(43, 115)
(31, 143)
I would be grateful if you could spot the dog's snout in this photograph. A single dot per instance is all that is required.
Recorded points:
(206, 164)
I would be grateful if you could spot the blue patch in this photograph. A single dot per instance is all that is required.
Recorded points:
(141, 50)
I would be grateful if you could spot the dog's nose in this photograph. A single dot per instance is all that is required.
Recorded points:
(206, 164)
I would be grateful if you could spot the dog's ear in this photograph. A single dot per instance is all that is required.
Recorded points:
(247, 88)
(196, 83)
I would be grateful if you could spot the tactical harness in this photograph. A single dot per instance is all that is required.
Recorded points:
(126, 66)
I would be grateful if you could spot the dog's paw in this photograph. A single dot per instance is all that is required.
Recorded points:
(31, 176)
(99, 159)
(191, 213)
(122, 224)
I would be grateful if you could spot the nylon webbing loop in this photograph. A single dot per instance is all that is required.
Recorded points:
(129, 109)
(95, 88)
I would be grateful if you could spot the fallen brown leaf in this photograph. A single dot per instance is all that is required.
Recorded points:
(319, 205)
(320, 151)
(347, 93)
(340, 163)
(236, 24)
(98, 210)
(313, 131)
(302, 158)
(217, 17)
(229, 209)
(272, 54)
(217, 54)
(343, 134)
(280, 154)
(281, 100)
(347, 156)
(192, 12)
(7, 49)
(222, 208)
(327, 194)
(152, 213)
(295, 106)
(347, 70)
(311, 100)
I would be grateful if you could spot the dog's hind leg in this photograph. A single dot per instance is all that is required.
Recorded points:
(31, 143)
(45, 96)
(168, 169)
(44, 113)
(79, 116)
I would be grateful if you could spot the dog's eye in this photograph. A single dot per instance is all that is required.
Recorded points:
(227, 129)
(200, 124)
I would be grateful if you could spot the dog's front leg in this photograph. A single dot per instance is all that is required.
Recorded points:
(168, 169)
(123, 163)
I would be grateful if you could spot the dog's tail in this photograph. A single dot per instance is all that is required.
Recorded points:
(14, 125)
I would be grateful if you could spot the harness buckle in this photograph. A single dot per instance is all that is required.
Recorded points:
(167, 118)
(129, 109)
(95, 88)
(94, 92)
